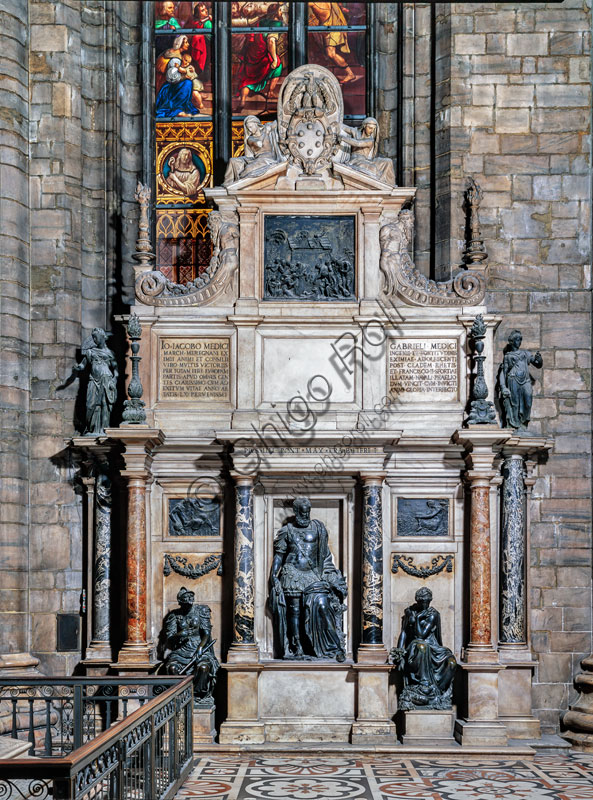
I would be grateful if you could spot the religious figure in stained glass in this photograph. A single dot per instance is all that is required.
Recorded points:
(165, 17)
(260, 64)
(335, 43)
(176, 96)
(202, 20)
(185, 172)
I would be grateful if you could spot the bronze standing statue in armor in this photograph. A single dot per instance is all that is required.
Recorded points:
(188, 640)
(306, 590)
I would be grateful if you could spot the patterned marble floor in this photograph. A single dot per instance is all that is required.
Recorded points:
(387, 777)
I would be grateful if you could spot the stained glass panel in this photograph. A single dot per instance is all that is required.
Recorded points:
(184, 248)
(183, 77)
(337, 40)
(259, 56)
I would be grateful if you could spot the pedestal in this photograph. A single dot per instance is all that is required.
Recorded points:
(481, 725)
(242, 725)
(204, 729)
(429, 728)
(373, 723)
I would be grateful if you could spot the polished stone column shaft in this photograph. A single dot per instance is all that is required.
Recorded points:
(243, 586)
(372, 562)
(513, 618)
(137, 652)
(136, 562)
(480, 575)
(101, 611)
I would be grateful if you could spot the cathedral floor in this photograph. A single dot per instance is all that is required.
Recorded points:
(385, 777)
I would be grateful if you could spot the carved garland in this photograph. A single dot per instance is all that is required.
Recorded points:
(438, 564)
(181, 566)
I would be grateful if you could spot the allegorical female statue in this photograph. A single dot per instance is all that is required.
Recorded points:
(306, 590)
(515, 384)
(102, 386)
(261, 150)
(187, 634)
(428, 667)
(362, 144)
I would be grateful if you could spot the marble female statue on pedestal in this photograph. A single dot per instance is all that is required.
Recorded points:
(361, 146)
(261, 151)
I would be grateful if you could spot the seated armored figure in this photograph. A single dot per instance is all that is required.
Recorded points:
(261, 151)
(306, 590)
(187, 634)
(428, 667)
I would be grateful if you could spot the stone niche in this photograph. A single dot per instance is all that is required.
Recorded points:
(312, 359)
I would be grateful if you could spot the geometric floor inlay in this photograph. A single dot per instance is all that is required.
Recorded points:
(386, 777)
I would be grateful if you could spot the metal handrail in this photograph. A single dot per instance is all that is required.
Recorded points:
(99, 766)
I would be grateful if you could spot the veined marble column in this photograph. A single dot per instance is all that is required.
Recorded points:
(513, 616)
(95, 453)
(140, 442)
(372, 568)
(244, 647)
(100, 646)
(480, 640)
(481, 664)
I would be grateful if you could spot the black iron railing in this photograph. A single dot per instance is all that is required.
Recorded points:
(100, 738)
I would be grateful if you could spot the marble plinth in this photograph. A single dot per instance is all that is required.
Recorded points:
(373, 724)
(429, 727)
(482, 733)
(204, 730)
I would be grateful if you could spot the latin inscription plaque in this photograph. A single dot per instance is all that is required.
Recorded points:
(423, 369)
(192, 368)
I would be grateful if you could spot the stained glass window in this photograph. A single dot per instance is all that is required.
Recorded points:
(215, 64)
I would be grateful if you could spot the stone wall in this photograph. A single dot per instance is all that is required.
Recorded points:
(520, 115)
(71, 133)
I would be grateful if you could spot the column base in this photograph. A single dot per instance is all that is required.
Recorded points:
(481, 733)
(580, 741)
(429, 727)
(99, 651)
(478, 654)
(204, 730)
(371, 654)
(242, 732)
(373, 731)
(96, 667)
(243, 654)
(522, 727)
(18, 664)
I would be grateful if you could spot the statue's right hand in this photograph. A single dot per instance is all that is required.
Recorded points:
(277, 586)
(506, 392)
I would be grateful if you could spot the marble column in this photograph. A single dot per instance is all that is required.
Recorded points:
(95, 455)
(514, 704)
(373, 724)
(372, 565)
(244, 647)
(481, 665)
(480, 591)
(100, 645)
(513, 610)
(137, 652)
